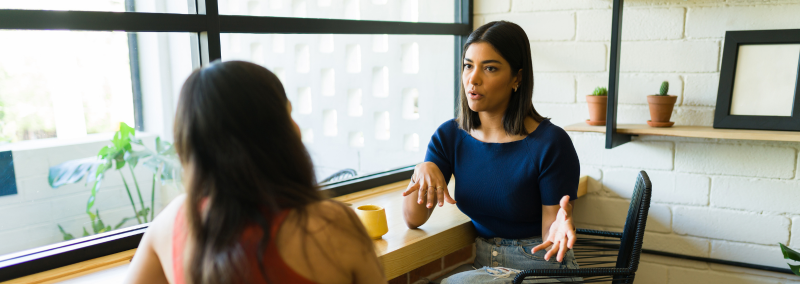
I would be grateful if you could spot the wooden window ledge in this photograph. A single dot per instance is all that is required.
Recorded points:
(401, 250)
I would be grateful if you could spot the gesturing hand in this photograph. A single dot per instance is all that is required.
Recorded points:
(430, 184)
(562, 233)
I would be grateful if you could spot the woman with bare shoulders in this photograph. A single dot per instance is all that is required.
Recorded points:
(252, 212)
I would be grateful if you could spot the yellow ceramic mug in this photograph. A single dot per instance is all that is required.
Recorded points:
(374, 219)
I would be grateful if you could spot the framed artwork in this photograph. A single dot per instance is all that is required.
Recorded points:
(759, 81)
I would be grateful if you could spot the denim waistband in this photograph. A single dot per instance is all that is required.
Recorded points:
(511, 242)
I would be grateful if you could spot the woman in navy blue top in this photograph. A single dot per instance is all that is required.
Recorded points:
(517, 173)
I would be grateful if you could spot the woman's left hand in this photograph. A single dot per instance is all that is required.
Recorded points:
(562, 233)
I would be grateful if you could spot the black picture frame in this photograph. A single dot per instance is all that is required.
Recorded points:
(730, 53)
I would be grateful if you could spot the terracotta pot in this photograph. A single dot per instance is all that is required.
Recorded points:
(597, 109)
(661, 107)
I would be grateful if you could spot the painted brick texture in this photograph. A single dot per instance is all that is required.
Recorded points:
(736, 160)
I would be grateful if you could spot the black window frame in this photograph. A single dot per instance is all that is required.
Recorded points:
(205, 21)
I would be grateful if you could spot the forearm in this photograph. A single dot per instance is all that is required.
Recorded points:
(415, 214)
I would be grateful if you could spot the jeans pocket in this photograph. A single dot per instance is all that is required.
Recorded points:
(525, 250)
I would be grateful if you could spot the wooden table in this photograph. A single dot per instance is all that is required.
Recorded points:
(402, 249)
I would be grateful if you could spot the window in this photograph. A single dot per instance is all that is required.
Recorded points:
(364, 103)
(70, 100)
(431, 11)
(150, 6)
(367, 95)
(80, 88)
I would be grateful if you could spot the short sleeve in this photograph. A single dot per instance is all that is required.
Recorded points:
(559, 168)
(440, 148)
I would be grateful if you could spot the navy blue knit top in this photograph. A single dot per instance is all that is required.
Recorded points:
(502, 186)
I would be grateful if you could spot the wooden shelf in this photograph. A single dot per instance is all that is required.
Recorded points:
(692, 131)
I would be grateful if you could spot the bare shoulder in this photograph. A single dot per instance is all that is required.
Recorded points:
(331, 233)
(332, 217)
(166, 218)
(161, 227)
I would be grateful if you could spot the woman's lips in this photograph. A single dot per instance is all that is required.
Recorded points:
(474, 96)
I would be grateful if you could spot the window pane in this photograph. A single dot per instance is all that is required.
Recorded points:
(366, 103)
(81, 87)
(437, 11)
(151, 6)
(70, 90)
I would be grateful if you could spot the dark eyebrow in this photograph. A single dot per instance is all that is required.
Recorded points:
(485, 61)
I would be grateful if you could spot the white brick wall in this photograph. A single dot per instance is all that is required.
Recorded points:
(638, 24)
(568, 57)
(701, 90)
(773, 195)
(731, 225)
(672, 243)
(750, 253)
(492, 6)
(712, 22)
(541, 26)
(554, 88)
(611, 212)
(669, 56)
(548, 5)
(735, 159)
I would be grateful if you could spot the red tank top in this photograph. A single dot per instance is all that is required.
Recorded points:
(276, 269)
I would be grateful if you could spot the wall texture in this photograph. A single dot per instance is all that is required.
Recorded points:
(723, 199)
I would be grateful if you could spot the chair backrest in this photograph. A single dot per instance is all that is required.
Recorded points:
(631, 244)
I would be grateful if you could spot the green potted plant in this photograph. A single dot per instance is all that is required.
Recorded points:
(661, 106)
(124, 151)
(597, 102)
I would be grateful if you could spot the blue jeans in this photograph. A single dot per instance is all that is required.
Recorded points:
(497, 261)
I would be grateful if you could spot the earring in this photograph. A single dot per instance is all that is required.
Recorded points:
(515, 88)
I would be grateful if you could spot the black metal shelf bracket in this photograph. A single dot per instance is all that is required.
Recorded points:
(614, 139)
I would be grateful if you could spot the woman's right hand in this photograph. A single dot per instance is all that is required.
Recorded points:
(430, 186)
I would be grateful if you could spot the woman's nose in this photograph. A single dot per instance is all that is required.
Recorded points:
(474, 78)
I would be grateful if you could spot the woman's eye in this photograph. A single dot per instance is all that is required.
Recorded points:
(491, 69)
(467, 66)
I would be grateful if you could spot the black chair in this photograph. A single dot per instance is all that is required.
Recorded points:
(340, 175)
(607, 256)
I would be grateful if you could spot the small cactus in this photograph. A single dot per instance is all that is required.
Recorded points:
(600, 91)
(664, 89)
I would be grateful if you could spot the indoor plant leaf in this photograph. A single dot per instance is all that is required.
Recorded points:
(133, 157)
(71, 171)
(795, 269)
(166, 159)
(789, 253)
(93, 193)
(124, 220)
(66, 236)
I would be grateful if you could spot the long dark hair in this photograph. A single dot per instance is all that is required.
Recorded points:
(241, 152)
(511, 42)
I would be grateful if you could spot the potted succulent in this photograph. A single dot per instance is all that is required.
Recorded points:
(661, 106)
(597, 106)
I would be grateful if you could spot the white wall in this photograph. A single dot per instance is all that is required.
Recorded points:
(723, 199)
